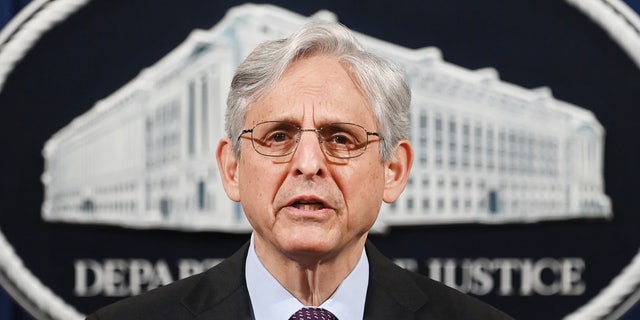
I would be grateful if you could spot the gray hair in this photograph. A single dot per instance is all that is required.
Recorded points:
(382, 82)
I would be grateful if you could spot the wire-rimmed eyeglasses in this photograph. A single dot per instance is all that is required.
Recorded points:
(280, 138)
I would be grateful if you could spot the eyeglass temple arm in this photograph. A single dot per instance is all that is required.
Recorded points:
(243, 132)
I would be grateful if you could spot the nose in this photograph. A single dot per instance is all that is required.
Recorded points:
(309, 159)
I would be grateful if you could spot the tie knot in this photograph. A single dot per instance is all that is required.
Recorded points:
(313, 314)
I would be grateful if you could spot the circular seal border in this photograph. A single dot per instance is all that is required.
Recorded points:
(19, 35)
(26, 28)
(623, 292)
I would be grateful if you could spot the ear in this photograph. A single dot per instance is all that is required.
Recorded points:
(228, 167)
(397, 171)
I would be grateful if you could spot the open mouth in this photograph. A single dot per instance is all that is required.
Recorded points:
(308, 205)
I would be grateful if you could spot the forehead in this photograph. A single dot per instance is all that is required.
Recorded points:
(319, 88)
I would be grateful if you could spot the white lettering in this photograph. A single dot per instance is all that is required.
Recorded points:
(435, 269)
(85, 270)
(480, 272)
(189, 267)
(506, 268)
(481, 276)
(408, 263)
(128, 277)
(510, 276)
(539, 285)
(162, 275)
(526, 275)
(140, 271)
(114, 278)
(572, 283)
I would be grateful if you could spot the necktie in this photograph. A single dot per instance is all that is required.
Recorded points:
(313, 314)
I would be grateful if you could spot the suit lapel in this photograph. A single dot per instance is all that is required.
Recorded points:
(382, 306)
(222, 293)
(391, 293)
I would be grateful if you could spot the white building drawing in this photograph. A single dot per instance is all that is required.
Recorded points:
(486, 151)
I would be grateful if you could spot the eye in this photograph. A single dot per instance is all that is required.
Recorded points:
(279, 136)
(341, 139)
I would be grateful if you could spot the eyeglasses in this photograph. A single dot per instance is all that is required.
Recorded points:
(280, 138)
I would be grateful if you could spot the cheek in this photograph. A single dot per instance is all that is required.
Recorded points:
(258, 182)
(252, 173)
(362, 190)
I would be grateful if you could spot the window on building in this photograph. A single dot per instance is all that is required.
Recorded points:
(512, 155)
(423, 138)
(478, 145)
(425, 204)
(165, 207)
(493, 201)
(502, 151)
(467, 205)
(202, 195)
(204, 134)
(191, 125)
(439, 140)
(453, 143)
(466, 144)
(490, 149)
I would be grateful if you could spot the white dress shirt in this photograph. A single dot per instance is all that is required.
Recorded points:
(271, 301)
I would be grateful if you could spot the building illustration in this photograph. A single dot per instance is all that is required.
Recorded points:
(486, 151)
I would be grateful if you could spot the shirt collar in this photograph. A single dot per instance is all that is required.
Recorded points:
(271, 301)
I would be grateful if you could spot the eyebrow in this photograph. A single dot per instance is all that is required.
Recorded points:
(297, 122)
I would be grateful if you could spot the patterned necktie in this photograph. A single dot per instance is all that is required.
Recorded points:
(313, 314)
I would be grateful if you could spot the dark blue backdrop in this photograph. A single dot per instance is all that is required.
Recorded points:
(9, 310)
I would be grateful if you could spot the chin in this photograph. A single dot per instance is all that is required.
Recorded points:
(309, 245)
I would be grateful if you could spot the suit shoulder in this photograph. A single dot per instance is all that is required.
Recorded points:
(161, 303)
(463, 305)
(186, 298)
(426, 297)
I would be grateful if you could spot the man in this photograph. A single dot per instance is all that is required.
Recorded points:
(316, 139)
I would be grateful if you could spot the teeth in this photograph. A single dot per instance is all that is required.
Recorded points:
(308, 206)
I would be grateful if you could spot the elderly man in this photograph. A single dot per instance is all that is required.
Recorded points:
(316, 139)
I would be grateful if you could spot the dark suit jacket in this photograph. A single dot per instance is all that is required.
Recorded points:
(221, 293)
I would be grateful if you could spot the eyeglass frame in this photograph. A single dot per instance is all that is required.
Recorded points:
(317, 131)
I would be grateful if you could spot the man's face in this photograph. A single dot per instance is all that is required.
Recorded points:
(307, 203)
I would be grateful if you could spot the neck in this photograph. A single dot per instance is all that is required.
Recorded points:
(311, 278)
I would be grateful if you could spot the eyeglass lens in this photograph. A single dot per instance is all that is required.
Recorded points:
(340, 140)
